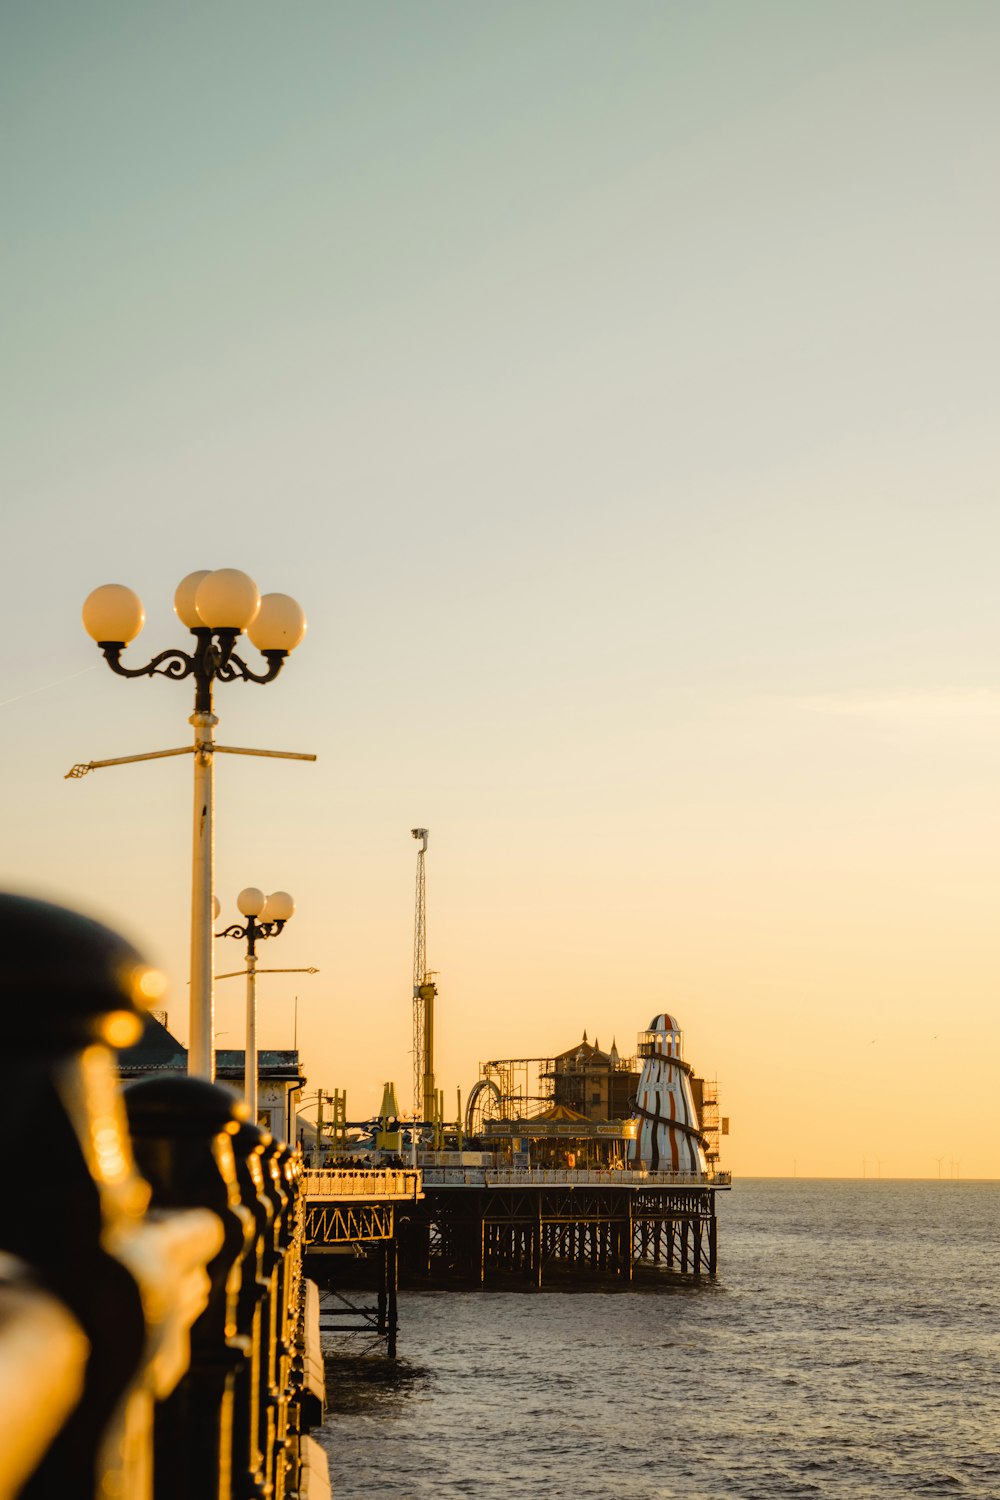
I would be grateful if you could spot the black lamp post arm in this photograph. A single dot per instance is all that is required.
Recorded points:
(213, 657)
(252, 931)
(235, 668)
(176, 664)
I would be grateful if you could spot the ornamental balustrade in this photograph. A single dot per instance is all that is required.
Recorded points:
(153, 1334)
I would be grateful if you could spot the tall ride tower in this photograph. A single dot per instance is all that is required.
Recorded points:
(425, 1101)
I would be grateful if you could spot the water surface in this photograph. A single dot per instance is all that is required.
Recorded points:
(848, 1348)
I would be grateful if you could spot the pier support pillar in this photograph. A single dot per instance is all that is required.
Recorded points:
(391, 1284)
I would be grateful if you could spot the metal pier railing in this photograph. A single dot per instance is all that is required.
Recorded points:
(382, 1183)
(565, 1176)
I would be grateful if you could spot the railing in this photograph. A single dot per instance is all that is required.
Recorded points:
(566, 1176)
(153, 1338)
(177, 1339)
(389, 1182)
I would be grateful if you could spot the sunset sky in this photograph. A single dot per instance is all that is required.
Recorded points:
(616, 387)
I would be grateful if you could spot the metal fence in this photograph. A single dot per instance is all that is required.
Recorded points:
(544, 1176)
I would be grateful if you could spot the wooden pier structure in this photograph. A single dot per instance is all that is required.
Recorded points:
(489, 1225)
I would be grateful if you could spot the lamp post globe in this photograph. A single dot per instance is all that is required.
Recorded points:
(279, 625)
(184, 597)
(113, 613)
(227, 600)
(251, 901)
(279, 907)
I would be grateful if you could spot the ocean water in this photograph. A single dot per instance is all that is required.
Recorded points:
(850, 1347)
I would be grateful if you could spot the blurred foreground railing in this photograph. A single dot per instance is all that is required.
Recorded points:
(43, 1357)
(154, 1336)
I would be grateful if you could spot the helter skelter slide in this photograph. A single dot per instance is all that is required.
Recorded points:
(669, 1138)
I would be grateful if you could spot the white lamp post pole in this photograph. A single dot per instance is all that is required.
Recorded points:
(216, 607)
(201, 1050)
(250, 1059)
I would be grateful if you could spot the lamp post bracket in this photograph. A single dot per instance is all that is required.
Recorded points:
(274, 754)
(242, 973)
(287, 971)
(77, 771)
(124, 760)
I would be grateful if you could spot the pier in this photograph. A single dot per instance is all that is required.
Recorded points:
(596, 1166)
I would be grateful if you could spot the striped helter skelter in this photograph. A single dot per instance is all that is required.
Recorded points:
(668, 1139)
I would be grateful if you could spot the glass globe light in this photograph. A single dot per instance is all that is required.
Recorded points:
(251, 901)
(279, 907)
(184, 607)
(280, 624)
(227, 599)
(113, 613)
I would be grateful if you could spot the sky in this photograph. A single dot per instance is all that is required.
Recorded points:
(615, 387)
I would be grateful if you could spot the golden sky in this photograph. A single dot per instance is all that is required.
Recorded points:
(616, 389)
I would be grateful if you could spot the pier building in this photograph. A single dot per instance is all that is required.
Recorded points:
(597, 1085)
(597, 1107)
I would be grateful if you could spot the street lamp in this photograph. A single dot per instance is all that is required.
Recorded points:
(217, 607)
(266, 916)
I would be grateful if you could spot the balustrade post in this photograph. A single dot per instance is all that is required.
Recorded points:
(292, 1343)
(296, 1177)
(273, 1430)
(252, 1314)
(182, 1129)
(71, 991)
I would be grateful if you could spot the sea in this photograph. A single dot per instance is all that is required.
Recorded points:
(849, 1347)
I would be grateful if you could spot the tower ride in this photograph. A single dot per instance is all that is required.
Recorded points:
(425, 1101)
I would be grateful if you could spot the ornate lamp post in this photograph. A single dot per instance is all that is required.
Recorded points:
(216, 607)
(266, 916)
